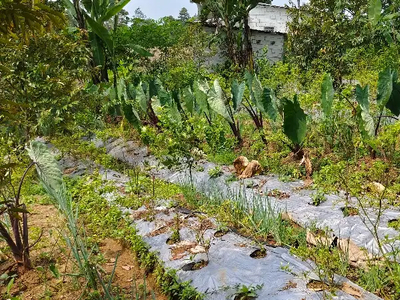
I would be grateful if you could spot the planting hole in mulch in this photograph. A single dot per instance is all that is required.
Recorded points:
(349, 211)
(259, 253)
(278, 194)
(220, 233)
(193, 266)
(172, 240)
(394, 223)
(317, 286)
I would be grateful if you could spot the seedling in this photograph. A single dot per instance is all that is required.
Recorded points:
(245, 292)
(215, 172)
(318, 198)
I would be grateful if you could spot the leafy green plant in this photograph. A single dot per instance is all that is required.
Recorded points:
(215, 172)
(262, 101)
(318, 198)
(245, 292)
(15, 216)
(51, 178)
(294, 124)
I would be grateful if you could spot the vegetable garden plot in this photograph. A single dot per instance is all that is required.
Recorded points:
(350, 233)
(219, 265)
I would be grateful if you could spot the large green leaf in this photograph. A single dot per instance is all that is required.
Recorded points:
(155, 86)
(327, 94)
(368, 123)
(102, 32)
(189, 99)
(216, 101)
(97, 49)
(174, 113)
(132, 116)
(269, 103)
(257, 94)
(113, 10)
(141, 98)
(121, 89)
(374, 10)
(140, 50)
(201, 89)
(164, 96)
(248, 77)
(237, 94)
(394, 101)
(295, 121)
(362, 97)
(385, 87)
(46, 166)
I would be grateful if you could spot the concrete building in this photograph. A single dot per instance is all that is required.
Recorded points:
(268, 24)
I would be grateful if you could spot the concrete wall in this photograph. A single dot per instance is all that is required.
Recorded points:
(273, 41)
(264, 15)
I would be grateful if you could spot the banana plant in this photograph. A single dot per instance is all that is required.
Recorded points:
(262, 101)
(93, 14)
(294, 125)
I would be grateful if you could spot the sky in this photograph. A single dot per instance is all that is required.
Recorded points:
(156, 9)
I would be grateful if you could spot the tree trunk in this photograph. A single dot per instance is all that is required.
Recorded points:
(248, 50)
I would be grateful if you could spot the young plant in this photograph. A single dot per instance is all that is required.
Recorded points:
(215, 172)
(245, 292)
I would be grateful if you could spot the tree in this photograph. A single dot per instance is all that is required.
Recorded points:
(22, 18)
(139, 14)
(183, 15)
(328, 35)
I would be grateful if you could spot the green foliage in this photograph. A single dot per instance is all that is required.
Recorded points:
(20, 19)
(318, 198)
(295, 122)
(43, 92)
(244, 292)
(215, 172)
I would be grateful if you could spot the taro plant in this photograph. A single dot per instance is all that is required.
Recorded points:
(388, 98)
(220, 104)
(294, 125)
(262, 101)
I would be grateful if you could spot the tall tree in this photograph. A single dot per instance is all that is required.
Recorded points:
(184, 14)
(139, 14)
